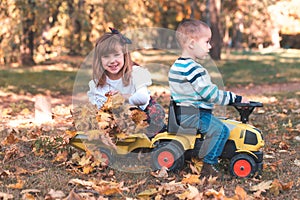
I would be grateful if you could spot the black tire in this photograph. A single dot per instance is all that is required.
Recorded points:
(107, 156)
(242, 166)
(168, 154)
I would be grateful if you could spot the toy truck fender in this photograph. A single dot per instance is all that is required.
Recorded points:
(187, 141)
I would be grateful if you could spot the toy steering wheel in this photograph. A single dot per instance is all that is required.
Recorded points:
(245, 109)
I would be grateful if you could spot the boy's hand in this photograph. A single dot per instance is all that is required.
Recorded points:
(245, 100)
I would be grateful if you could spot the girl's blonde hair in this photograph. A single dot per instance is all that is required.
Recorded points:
(107, 44)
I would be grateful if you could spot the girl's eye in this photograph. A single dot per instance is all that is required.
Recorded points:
(117, 54)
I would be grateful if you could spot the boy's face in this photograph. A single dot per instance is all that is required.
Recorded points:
(113, 62)
(200, 46)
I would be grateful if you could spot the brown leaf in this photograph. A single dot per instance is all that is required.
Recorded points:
(263, 186)
(10, 139)
(73, 196)
(62, 156)
(18, 185)
(162, 173)
(287, 186)
(276, 187)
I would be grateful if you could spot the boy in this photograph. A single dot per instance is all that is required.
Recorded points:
(191, 86)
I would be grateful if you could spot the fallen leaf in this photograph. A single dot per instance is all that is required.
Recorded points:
(56, 194)
(18, 185)
(10, 139)
(147, 193)
(191, 193)
(263, 186)
(87, 169)
(77, 181)
(30, 191)
(241, 193)
(297, 162)
(211, 180)
(287, 186)
(6, 196)
(73, 196)
(276, 187)
(28, 196)
(191, 179)
(61, 156)
(215, 194)
(162, 173)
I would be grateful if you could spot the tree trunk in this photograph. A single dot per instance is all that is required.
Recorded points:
(214, 22)
(27, 46)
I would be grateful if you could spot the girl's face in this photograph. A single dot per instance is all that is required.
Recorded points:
(113, 63)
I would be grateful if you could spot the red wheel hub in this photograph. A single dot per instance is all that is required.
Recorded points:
(166, 159)
(105, 158)
(242, 168)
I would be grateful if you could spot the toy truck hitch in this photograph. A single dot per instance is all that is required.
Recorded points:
(245, 109)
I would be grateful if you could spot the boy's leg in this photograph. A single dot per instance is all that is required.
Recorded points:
(216, 135)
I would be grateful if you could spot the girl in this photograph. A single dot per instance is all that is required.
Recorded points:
(114, 72)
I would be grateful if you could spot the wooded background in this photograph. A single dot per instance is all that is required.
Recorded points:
(33, 31)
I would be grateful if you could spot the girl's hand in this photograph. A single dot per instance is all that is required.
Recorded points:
(111, 93)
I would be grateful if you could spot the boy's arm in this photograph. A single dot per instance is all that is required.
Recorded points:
(210, 92)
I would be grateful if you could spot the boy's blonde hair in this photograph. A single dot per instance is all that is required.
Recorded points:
(190, 29)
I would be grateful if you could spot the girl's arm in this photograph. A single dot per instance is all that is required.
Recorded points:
(140, 98)
(96, 96)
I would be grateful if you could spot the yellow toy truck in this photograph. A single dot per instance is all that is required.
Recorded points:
(170, 148)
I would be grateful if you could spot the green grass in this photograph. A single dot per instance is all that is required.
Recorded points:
(238, 68)
(23, 81)
(276, 67)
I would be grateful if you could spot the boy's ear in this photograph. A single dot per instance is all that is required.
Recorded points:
(191, 43)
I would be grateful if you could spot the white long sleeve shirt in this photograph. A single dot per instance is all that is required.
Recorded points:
(136, 90)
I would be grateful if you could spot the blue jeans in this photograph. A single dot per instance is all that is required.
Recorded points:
(215, 131)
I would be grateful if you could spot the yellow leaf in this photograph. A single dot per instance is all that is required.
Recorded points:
(87, 169)
(147, 193)
(71, 133)
(191, 193)
(191, 179)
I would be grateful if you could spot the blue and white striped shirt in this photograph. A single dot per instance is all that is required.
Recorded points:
(190, 85)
